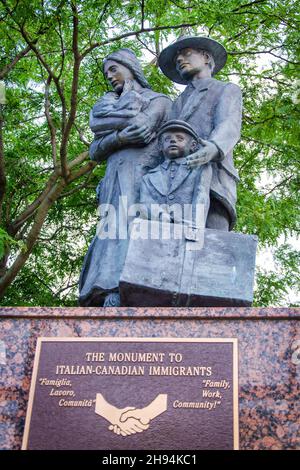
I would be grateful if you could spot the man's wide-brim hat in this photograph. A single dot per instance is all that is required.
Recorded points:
(177, 125)
(167, 58)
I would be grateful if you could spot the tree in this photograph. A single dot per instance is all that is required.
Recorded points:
(51, 65)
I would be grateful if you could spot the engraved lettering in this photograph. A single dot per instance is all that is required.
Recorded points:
(180, 370)
(75, 403)
(56, 382)
(217, 384)
(95, 356)
(196, 404)
(136, 357)
(61, 393)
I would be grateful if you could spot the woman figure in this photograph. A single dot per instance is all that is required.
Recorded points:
(124, 123)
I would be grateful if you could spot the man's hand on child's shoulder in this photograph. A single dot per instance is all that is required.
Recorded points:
(207, 153)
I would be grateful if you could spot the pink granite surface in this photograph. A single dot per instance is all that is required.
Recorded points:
(269, 367)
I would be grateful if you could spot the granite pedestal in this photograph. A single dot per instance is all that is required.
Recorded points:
(269, 362)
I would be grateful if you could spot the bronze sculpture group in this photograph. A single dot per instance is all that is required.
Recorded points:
(160, 152)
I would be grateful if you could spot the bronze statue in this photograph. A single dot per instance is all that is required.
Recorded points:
(176, 187)
(214, 109)
(207, 265)
(124, 122)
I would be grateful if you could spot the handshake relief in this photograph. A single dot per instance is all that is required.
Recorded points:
(130, 420)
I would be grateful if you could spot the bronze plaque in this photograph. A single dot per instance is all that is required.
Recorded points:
(133, 393)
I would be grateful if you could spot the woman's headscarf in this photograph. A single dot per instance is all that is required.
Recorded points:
(128, 58)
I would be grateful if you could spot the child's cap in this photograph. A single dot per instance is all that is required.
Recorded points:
(176, 124)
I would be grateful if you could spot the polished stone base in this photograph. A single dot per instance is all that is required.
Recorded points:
(269, 360)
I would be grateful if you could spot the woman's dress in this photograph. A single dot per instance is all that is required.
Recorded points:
(126, 166)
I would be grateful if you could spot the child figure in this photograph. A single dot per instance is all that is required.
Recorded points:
(179, 190)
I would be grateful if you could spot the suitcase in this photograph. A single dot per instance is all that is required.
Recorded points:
(200, 268)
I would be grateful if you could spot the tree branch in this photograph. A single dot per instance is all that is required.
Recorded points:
(146, 47)
(263, 121)
(77, 188)
(283, 58)
(41, 213)
(264, 52)
(29, 211)
(2, 165)
(76, 161)
(62, 49)
(32, 208)
(69, 286)
(257, 75)
(81, 136)
(267, 144)
(142, 14)
(7, 68)
(134, 33)
(82, 171)
(41, 59)
(50, 122)
(183, 7)
(245, 30)
(285, 180)
(22, 257)
(250, 4)
(44, 284)
(104, 10)
(74, 93)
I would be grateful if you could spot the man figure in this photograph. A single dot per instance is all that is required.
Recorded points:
(214, 110)
(172, 185)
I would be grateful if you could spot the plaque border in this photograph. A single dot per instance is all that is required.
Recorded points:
(43, 339)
